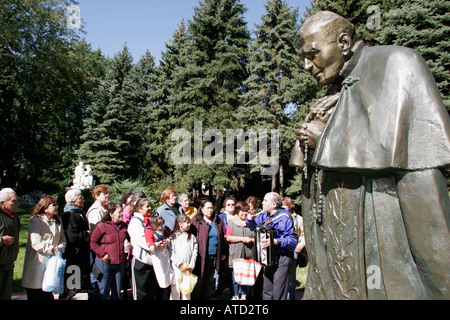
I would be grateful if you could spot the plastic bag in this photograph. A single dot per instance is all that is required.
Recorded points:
(187, 283)
(54, 274)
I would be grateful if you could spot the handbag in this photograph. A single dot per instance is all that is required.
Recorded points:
(97, 273)
(55, 268)
(302, 258)
(246, 271)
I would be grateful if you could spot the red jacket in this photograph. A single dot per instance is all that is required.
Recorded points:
(108, 237)
(150, 235)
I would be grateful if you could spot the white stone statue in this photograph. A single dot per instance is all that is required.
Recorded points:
(79, 173)
(88, 178)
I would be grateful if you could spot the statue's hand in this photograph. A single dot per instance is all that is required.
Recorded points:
(309, 133)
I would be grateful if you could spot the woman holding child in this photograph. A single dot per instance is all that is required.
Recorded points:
(143, 278)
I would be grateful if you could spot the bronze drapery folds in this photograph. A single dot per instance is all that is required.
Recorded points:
(374, 151)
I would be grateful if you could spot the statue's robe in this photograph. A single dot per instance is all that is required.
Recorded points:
(381, 229)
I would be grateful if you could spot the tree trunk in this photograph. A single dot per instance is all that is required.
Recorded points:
(281, 174)
(274, 183)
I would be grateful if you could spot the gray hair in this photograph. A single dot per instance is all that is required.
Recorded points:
(72, 195)
(276, 199)
(182, 197)
(4, 194)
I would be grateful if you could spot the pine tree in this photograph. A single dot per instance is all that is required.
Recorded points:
(137, 94)
(158, 116)
(208, 87)
(274, 69)
(106, 137)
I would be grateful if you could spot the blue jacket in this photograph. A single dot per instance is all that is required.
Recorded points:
(169, 216)
(284, 228)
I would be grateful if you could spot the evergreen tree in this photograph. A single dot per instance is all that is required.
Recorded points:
(207, 89)
(136, 96)
(158, 115)
(106, 140)
(274, 69)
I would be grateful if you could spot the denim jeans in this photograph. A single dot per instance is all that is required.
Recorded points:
(112, 279)
(238, 289)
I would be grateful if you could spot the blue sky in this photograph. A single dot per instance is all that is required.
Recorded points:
(148, 24)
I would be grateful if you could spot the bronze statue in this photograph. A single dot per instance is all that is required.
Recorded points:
(374, 150)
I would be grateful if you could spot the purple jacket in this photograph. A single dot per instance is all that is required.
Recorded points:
(108, 237)
(200, 229)
(281, 221)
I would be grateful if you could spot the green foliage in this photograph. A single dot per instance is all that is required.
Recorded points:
(276, 82)
(295, 189)
(119, 188)
(107, 138)
(43, 87)
(208, 81)
(63, 102)
(423, 25)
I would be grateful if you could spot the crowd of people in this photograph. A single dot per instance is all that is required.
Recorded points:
(128, 251)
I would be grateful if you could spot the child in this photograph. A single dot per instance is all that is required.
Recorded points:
(158, 242)
(184, 254)
(155, 233)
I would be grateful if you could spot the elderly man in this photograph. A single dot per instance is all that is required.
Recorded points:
(276, 278)
(375, 199)
(9, 240)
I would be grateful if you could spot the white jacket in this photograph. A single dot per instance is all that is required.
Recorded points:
(183, 251)
(43, 234)
(140, 249)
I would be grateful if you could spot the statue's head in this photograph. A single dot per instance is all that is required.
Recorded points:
(324, 43)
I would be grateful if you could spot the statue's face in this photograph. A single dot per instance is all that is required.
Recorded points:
(323, 58)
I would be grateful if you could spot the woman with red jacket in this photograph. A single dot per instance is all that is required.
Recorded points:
(209, 232)
(107, 241)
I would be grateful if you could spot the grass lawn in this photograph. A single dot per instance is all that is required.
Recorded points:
(301, 277)
(24, 215)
